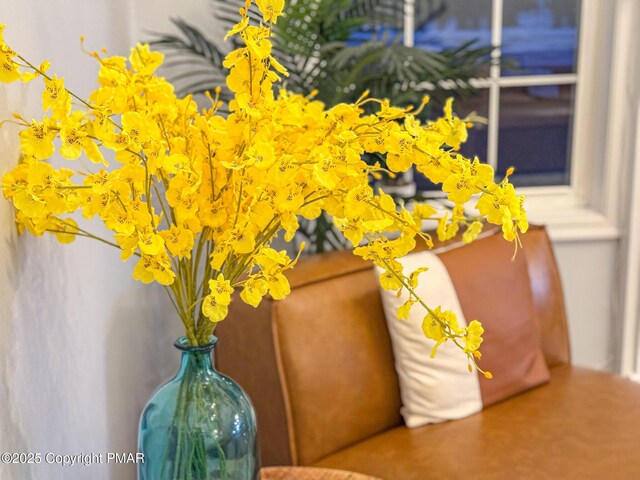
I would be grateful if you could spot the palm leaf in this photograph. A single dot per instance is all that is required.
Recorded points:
(194, 62)
(369, 8)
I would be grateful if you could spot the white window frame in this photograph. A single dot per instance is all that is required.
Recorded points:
(623, 175)
(585, 209)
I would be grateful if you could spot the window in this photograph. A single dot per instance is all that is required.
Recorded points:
(546, 98)
(528, 94)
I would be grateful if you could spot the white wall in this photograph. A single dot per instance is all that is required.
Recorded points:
(82, 346)
(588, 270)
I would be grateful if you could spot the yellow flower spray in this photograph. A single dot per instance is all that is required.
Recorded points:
(198, 197)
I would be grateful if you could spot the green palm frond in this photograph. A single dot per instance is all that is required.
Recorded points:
(194, 63)
(226, 11)
(394, 71)
(372, 9)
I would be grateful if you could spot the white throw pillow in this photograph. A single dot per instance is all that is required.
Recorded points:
(432, 389)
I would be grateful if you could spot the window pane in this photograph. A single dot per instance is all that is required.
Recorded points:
(535, 133)
(539, 37)
(449, 24)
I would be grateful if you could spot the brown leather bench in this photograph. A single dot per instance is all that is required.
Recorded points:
(319, 368)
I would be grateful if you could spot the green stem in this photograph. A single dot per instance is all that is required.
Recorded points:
(193, 425)
(82, 233)
(36, 69)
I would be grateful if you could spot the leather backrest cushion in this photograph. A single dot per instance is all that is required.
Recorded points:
(548, 297)
(337, 364)
(494, 288)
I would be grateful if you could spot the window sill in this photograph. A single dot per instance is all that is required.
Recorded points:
(571, 223)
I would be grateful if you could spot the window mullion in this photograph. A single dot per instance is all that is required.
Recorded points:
(409, 21)
(535, 80)
(494, 88)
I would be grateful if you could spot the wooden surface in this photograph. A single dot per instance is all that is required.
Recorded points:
(310, 473)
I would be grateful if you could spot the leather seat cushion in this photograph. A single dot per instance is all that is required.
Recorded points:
(583, 424)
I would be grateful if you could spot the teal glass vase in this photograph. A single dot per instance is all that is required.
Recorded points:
(200, 425)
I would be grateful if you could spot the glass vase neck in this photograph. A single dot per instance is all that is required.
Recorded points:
(183, 344)
(199, 356)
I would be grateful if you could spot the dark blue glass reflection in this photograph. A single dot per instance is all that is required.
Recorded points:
(535, 129)
(539, 37)
(451, 23)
